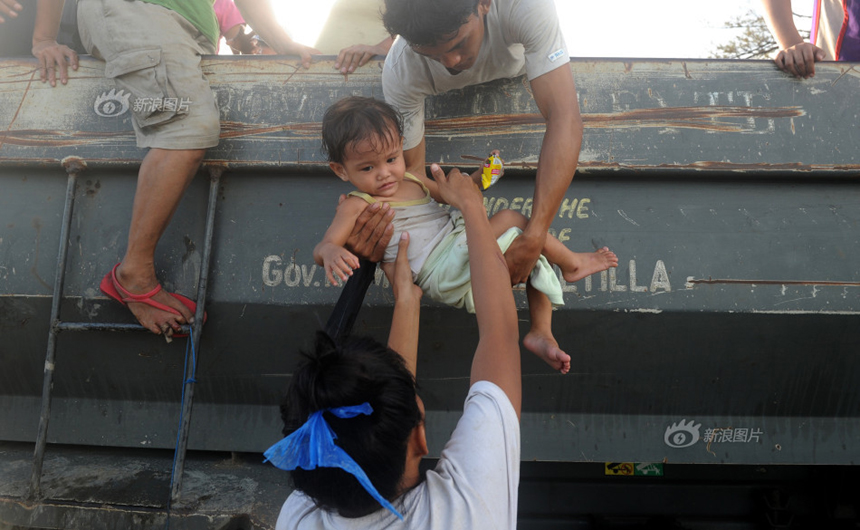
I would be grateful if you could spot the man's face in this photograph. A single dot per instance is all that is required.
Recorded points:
(459, 51)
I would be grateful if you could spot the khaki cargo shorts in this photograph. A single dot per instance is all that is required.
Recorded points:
(153, 53)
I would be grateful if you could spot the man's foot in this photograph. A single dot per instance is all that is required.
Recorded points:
(159, 312)
(545, 347)
(584, 264)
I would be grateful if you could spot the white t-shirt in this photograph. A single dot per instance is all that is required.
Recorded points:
(520, 37)
(474, 485)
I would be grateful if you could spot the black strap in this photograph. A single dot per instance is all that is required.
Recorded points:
(351, 298)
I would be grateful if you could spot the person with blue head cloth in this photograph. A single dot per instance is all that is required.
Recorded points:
(356, 423)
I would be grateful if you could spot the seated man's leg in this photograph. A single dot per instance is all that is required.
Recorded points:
(164, 175)
(153, 54)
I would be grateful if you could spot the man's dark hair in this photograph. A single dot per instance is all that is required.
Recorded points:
(354, 119)
(427, 22)
(356, 371)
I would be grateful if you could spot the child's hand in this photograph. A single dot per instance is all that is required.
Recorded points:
(456, 188)
(338, 263)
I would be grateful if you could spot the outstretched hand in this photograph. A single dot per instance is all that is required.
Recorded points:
(799, 60)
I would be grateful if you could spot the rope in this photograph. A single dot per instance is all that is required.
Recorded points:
(189, 347)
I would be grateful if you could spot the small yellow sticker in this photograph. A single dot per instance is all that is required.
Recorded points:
(633, 469)
(625, 469)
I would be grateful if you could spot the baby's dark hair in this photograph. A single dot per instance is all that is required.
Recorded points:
(355, 119)
(356, 371)
(427, 23)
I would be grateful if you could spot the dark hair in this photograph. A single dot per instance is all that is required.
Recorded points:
(355, 119)
(427, 22)
(356, 371)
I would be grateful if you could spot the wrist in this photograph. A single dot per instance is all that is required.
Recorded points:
(471, 206)
(40, 43)
(534, 235)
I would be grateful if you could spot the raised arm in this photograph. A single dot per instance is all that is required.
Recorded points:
(497, 357)
(796, 56)
(259, 15)
(407, 304)
(555, 95)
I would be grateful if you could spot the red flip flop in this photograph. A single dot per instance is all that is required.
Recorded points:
(111, 287)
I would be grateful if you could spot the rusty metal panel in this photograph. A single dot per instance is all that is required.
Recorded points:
(674, 115)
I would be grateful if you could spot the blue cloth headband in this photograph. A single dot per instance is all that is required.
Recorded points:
(312, 446)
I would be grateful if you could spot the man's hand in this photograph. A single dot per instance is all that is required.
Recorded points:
(53, 57)
(521, 257)
(294, 48)
(372, 232)
(357, 55)
(799, 60)
(9, 8)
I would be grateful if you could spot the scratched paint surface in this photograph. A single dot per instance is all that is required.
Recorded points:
(705, 115)
(730, 322)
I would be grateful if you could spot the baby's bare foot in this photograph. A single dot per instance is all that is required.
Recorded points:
(545, 347)
(587, 263)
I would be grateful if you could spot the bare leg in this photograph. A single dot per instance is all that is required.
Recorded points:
(539, 339)
(574, 265)
(577, 265)
(164, 175)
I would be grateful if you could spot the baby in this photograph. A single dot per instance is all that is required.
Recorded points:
(363, 140)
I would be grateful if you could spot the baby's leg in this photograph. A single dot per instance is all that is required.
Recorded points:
(577, 265)
(503, 220)
(574, 265)
(539, 339)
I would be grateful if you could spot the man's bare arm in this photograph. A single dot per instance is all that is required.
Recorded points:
(555, 95)
(260, 16)
(497, 357)
(416, 164)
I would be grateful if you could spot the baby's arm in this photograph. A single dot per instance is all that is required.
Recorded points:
(330, 252)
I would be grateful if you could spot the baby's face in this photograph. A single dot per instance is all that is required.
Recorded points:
(374, 166)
